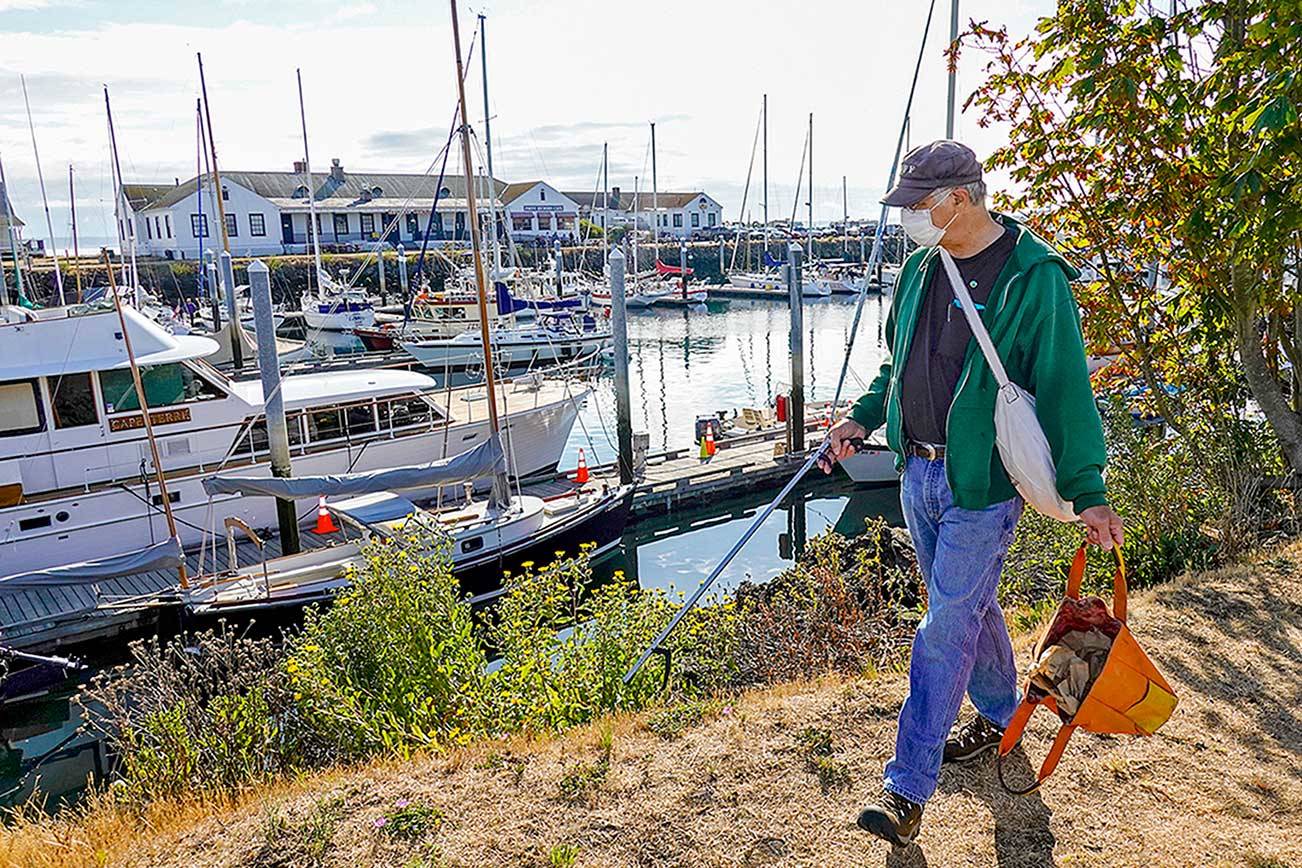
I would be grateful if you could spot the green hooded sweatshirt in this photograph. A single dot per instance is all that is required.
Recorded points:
(1035, 326)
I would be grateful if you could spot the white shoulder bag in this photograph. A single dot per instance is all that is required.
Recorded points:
(1022, 445)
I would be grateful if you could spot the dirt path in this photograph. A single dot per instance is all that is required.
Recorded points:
(751, 784)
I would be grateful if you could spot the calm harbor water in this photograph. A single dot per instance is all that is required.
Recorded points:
(685, 363)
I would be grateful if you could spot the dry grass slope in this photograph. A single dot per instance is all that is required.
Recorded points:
(777, 777)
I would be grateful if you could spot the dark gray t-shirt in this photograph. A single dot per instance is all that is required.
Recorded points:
(940, 341)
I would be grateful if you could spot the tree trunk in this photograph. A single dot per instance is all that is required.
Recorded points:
(1266, 387)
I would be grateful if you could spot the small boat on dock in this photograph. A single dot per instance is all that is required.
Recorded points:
(550, 339)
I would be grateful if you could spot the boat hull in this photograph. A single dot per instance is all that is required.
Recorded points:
(340, 317)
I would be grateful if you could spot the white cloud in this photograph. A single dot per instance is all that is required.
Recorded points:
(359, 10)
(24, 5)
(567, 76)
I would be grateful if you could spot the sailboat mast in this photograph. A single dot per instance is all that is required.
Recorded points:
(126, 226)
(144, 409)
(49, 224)
(810, 232)
(13, 239)
(605, 202)
(202, 269)
(76, 250)
(766, 173)
(655, 200)
(311, 189)
(499, 482)
(488, 148)
(216, 173)
(637, 206)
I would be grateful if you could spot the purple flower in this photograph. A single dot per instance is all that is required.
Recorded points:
(727, 710)
(381, 822)
(402, 803)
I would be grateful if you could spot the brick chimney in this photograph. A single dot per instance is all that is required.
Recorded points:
(336, 171)
(299, 167)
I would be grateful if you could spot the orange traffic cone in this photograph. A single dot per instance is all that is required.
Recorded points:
(581, 475)
(709, 440)
(325, 522)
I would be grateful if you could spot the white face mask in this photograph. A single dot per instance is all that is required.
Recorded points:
(919, 227)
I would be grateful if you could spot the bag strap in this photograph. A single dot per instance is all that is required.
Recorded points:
(1077, 574)
(969, 310)
(1013, 735)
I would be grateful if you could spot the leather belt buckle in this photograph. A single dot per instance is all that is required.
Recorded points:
(926, 450)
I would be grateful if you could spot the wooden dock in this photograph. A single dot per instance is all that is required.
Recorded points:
(48, 619)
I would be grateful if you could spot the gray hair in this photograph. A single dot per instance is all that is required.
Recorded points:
(976, 192)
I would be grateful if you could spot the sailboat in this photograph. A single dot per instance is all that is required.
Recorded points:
(336, 308)
(485, 536)
(772, 280)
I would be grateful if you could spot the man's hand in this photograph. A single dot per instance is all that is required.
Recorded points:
(1103, 526)
(839, 447)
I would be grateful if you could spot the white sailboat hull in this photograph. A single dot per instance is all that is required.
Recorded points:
(771, 283)
(338, 317)
(465, 351)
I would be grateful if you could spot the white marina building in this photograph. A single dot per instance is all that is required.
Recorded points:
(680, 214)
(267, 213)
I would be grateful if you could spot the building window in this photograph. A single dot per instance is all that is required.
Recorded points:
(167, 222)
(522, 222)
(318, 225)
(696, 219)
(300, 192)
(165, 385)
(341, 224)
(544, 222)
(257, 225)
(149, 230)
(368, 223)
(678, 220)
(72, 401)
(226, 193)
(232, 227)
(542, 194)
(711, 219)
(413, 227)
(199, 225)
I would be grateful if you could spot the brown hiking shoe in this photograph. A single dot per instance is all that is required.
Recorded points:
(974, 739)
(892, 818)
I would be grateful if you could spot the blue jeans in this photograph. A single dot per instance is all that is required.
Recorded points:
(962, 643)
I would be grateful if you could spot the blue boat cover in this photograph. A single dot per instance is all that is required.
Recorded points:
(166, 555)
(477, 463)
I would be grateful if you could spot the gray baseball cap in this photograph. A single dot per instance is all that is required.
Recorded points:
(943, 163)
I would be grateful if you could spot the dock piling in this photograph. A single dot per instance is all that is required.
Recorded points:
(796, 415)
(379, 266)
(402, 281)
(214, 291)
(619, 332)
(273, 403)
(682, 267)
(228, 287)
(560, 269)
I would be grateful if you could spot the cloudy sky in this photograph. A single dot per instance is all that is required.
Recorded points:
(565, 76)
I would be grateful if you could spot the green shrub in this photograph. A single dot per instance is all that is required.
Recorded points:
(395, 662)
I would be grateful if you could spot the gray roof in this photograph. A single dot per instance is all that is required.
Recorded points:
(141, 196)
(626, 200)
(394, 187)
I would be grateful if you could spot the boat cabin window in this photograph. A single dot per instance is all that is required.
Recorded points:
(165, 385)
(20, 408)
(404, 412)
(360, 419)
(72, 401)
(293, 422)
(325, 425)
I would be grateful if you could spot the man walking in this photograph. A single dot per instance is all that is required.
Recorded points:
(935, 394)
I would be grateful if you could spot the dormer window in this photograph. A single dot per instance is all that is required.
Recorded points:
(542, 194)
(376, 192)
(300, 192)
(444, 192)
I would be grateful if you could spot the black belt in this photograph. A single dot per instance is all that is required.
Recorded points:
(929, 451)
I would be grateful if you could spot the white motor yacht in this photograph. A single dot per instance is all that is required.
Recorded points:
(76, 474)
